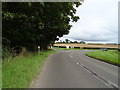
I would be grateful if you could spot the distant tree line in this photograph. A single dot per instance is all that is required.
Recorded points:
(32, 24)
(68, 41)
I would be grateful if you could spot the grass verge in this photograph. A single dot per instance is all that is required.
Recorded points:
(110, 56)
(20, 71)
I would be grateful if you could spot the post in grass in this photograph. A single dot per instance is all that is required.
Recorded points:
(38, 49)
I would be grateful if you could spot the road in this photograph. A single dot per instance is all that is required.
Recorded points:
(73, 69)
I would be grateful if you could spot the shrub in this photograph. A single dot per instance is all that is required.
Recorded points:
(5, 52)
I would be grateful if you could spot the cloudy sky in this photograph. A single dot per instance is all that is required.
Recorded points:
(98, 22)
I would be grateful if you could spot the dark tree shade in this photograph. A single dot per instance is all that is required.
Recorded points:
(28, 24)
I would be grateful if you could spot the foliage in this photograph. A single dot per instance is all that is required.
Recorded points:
(82, 42)
(5, 52)
(29, 24)
(67, 40)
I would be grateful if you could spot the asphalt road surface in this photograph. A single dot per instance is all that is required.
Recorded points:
(73, 69)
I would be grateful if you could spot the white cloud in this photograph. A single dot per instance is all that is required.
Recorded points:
(98, 22)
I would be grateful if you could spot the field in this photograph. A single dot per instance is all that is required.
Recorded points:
(90, 45)
(20, 71)
(110, 56)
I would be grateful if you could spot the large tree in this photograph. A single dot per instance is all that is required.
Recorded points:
(28, 24)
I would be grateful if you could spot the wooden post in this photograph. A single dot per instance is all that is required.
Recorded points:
(38, 48)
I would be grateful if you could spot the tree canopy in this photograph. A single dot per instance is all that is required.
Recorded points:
(29, 24)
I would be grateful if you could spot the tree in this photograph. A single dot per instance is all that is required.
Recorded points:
(75, 42)
(82, 42)
(29, 24)
(63, 41)
(67, 40)
(71, 42)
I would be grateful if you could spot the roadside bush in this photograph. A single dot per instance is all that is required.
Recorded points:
(5, 53)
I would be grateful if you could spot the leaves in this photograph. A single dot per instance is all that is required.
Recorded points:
(37, 23)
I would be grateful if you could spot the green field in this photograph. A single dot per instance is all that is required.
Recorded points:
(110, 56)
(20, 71)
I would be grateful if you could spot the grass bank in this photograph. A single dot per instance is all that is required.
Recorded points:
(110, 56)
(20, 71)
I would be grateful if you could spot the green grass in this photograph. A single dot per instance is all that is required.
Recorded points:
(20, 71)
(110, 56)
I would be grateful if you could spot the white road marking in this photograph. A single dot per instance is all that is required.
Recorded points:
(108, 83)
(113, 84)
